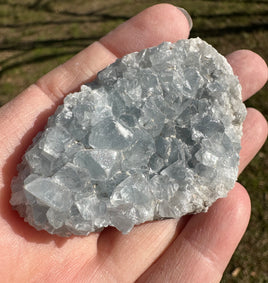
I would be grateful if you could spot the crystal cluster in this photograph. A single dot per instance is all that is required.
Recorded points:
(156, 135)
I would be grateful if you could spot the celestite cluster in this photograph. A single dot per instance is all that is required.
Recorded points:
(156, 135)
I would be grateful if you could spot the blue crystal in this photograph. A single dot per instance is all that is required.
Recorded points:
(156, 135)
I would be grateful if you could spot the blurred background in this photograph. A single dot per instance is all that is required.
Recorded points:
(37, 35)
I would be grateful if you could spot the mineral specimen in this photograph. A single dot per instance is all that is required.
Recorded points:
(156, 135)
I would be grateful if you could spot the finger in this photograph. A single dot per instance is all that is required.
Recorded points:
(150, 27)
(255, 131)
(125, 257)
(203, 249)
(251, 70)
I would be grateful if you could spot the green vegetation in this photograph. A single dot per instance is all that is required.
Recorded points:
(37, 35)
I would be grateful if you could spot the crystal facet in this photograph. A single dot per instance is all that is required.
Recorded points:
(156, 135)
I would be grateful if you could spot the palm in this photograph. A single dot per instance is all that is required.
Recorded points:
(195, 249)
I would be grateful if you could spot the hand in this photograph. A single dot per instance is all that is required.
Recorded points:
(194, 249)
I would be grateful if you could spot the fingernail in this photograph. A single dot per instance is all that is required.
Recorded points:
(188, 17)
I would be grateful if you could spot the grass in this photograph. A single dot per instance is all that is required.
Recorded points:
(38, 35)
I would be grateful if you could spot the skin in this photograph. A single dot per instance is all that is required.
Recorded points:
(193, 249)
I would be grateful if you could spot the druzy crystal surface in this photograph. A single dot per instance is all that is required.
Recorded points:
(156, 135)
